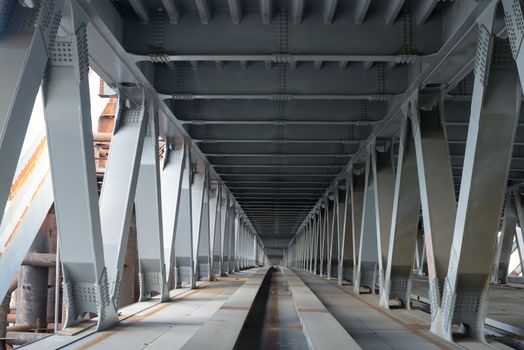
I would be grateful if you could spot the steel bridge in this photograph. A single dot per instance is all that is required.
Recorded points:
(269, 174)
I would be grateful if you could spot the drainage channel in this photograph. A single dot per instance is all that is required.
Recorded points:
(273, 322)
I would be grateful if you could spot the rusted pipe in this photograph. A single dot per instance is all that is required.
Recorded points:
(22, 327)
(31, 305)
(39, 259)
(4, 312)
(102, 136)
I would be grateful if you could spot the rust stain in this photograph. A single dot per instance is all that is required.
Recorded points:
(239, 308)
(28, 168)
(313, 309)
(25, 212)
(97, 340)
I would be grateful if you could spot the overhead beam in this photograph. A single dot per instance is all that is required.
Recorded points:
(203, 11)
(330, 7)
(279, 141)
(297, 11)
(423, 10)
(235, 11)
(280, 97)
(201, 122)
(141, 9)
(266, 11)
(172, 10)
(392, 10)
(280, 155)
(360, 10)
(287, 57)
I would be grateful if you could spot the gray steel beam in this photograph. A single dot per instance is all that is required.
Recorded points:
(404, 224)
(172, 176)
(333, 240)
(235, 11)
(358, 189)
(266, 11)
(120, 180)
(384, 182)
(24, 51)
(505, 242)
(70, 144)
(214, 229)
(148, 211)
(330, 8)
(360, 10)
(184, 255)
(368, 250)
(392, 10)
(460, 35)
(203, 11)
(437, 194)
(297, 11)
(141, 9)
(202, 122)
(172, 10)
(423, 10)
(494, 116)
(279, 97)
(200, 218)
(345, 244)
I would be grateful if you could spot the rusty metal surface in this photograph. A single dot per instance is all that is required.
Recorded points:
(30, 200)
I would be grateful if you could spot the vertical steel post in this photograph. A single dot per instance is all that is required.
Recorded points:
(404, 224)
(368, 252)
(171, 186)
(148, 210)
(505, 242)
(493, 123)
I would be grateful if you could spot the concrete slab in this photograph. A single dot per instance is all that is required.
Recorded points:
(371, 326)
(151, 325)
(229, 319)
(321, 329)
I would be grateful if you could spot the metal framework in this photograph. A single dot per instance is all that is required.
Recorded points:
(334, 140)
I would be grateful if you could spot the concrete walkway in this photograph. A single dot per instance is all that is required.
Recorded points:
(371, 326)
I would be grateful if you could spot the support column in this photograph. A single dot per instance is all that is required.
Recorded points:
(184, 267)
(322, 231)
(404, 224)
(172, 174)
(384, 180)
(358, 185)
(201, 224)
(200, 217)
(215, 207)
(120, 180)
(224, 229)
(346, 250)
(493, 122)
(505, 242)
(330, 230)
(519, 240)
(343, 245)
(148, 210)
(437, 193)
(72, 163)
(26, 43)
(237, 221)
(368, 255)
